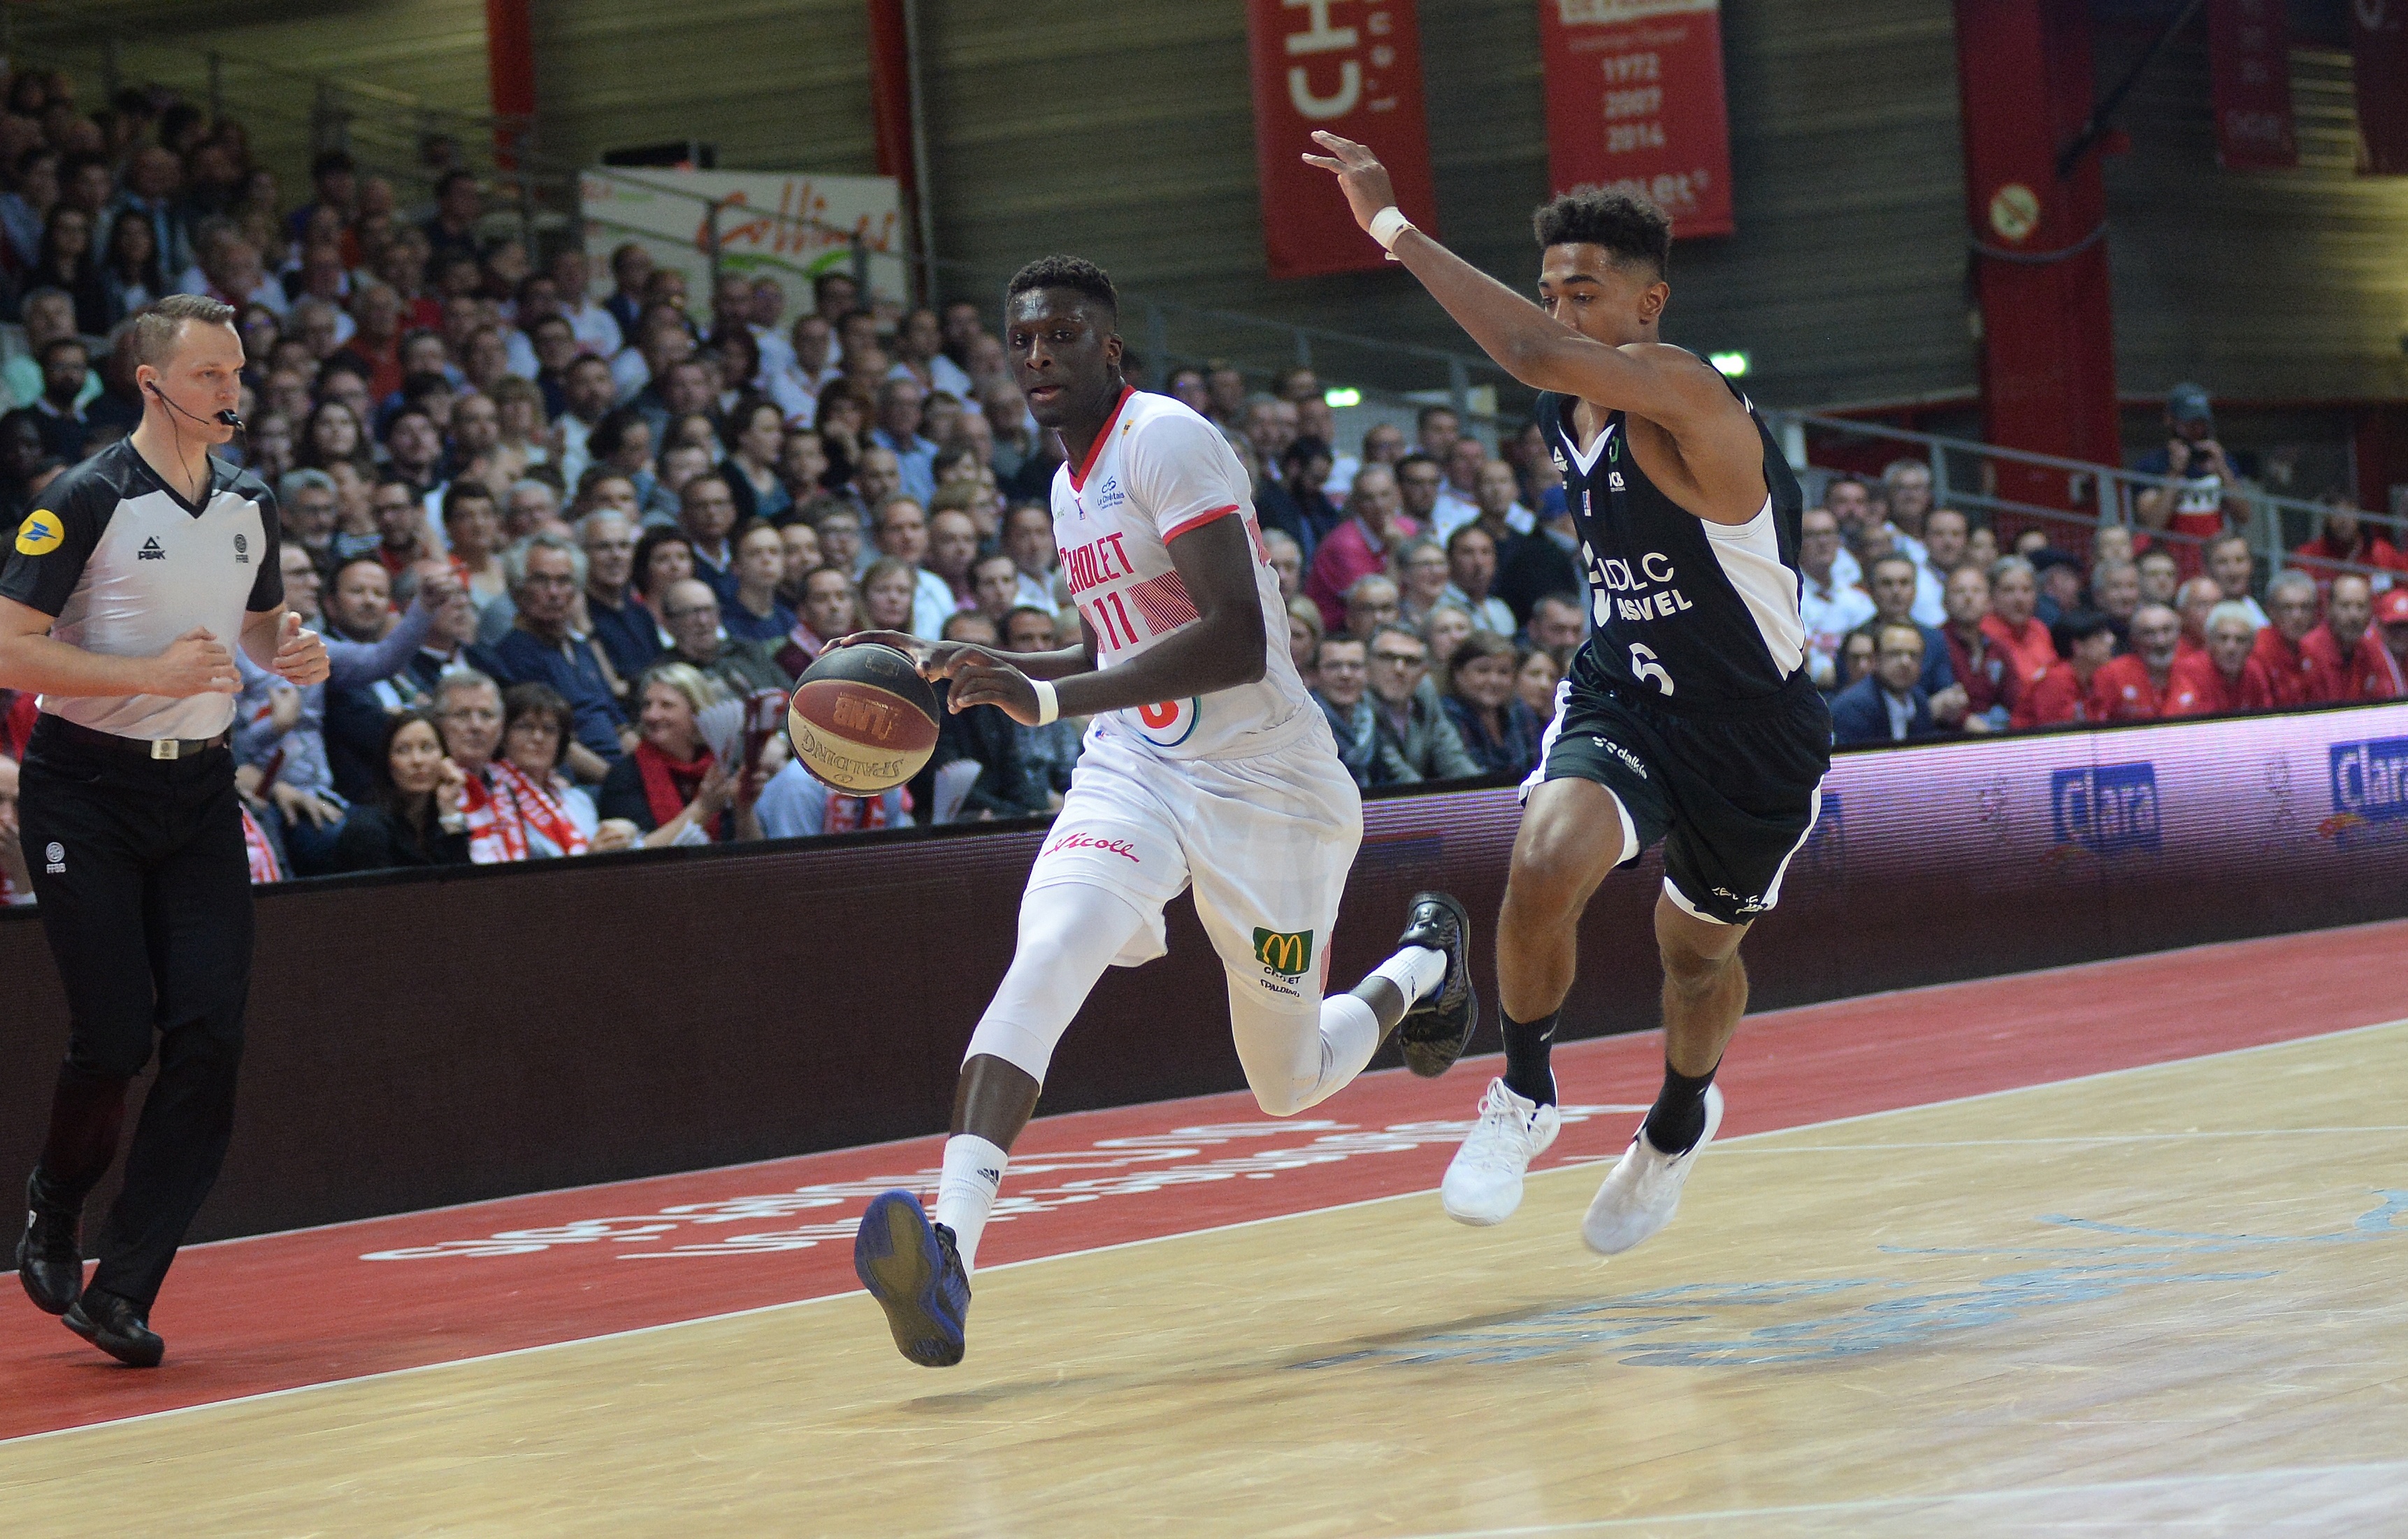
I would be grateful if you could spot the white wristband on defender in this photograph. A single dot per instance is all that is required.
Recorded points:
(1049, 704)
(1387, 225)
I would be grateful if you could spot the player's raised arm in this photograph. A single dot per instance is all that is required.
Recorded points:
(1548, 352)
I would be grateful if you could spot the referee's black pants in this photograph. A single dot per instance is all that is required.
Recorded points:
(145, 897)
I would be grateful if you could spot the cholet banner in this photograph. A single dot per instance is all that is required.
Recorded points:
(789, 225)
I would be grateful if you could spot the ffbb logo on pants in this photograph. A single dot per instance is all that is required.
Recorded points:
(1288, 954)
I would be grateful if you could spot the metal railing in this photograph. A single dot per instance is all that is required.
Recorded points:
(1966, 474)
(291, 114)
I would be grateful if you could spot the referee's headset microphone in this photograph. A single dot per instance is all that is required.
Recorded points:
(225, 417)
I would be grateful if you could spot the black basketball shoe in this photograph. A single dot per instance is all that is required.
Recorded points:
(1437, 1028)
(50, 1259)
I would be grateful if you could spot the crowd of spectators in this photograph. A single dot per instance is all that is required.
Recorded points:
(1918, 626)
(584, 529)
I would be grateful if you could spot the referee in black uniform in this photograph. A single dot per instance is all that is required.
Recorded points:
(123, 592)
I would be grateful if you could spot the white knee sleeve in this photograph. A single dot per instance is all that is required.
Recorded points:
(1293, 1061)
(1068, 934)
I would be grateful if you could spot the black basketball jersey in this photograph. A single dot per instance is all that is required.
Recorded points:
(1686, 610)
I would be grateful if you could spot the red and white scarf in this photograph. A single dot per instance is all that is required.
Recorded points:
(503, 804)
(670, 784)
(261, 853)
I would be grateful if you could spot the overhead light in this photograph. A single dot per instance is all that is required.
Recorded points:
(1731, 363)
(1339, 395)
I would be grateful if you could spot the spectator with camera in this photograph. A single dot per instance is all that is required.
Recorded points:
(2200, 491)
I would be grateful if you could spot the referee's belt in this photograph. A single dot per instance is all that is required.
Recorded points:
(139, 747)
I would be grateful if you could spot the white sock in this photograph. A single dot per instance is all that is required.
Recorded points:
(965, 1190)
(1416, 971)
(1349, 1035)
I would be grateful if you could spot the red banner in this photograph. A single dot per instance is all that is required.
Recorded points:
(1635, 102)
(2378, 52)
(1352, 67)
(2249, 67)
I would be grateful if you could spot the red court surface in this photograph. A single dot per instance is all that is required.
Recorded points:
(283, 1311)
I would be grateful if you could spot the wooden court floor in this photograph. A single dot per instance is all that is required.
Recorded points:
(2166, 1299)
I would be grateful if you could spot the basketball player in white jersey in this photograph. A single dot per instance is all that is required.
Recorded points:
(1207, 765)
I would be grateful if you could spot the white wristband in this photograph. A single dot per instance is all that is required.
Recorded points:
(1049, 704)
(1387, 225)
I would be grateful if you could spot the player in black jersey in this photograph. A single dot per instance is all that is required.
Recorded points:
(1688, 714)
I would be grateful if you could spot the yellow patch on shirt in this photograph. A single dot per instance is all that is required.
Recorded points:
(40, 533)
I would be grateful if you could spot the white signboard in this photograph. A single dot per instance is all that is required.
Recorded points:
(790, 225)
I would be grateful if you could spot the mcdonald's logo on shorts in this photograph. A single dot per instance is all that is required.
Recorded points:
(1288, 955)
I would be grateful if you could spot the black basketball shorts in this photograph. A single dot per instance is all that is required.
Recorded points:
(1731, 791)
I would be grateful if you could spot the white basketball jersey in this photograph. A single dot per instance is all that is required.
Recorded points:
(1156, 471)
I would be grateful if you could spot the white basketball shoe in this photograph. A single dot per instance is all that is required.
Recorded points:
(1644, 1189)
(1483, 1181)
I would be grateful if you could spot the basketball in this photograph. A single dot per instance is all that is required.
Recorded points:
(863, 719)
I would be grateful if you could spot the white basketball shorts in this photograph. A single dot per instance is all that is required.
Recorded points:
(1266, 843)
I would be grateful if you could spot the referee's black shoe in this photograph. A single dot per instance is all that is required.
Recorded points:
(50, 1259)
(118, 1326)
(1435, 1031)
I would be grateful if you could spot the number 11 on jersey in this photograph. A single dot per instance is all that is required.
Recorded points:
(1107, 610)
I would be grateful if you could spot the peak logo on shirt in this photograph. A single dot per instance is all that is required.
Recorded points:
(151, 550)
(40, 533)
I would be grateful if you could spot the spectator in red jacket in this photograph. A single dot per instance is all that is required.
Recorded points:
(2221, 677)
(2083, 641)
(2346, 541)
(2015, 593)
(2348, 657)
(2290, 614)
(2391, 624)
(2135, 686)
(1984, 669)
